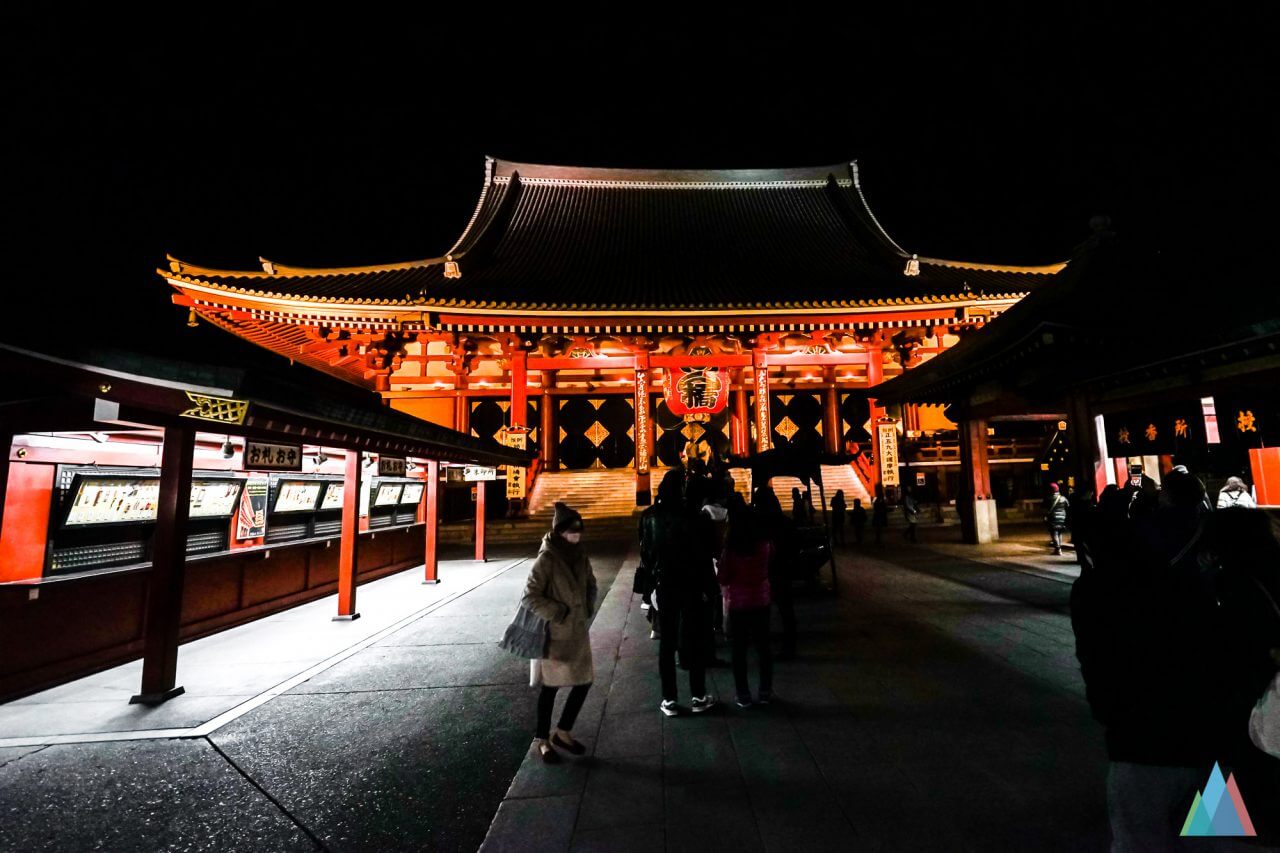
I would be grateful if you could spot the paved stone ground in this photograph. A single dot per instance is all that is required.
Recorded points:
(936, 705)
(925, 713)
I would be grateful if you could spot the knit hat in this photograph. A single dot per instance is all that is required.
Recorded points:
(564, 517)
(1053, 487)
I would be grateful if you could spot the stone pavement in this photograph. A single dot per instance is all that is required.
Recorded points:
(936, 704)
(924, 713)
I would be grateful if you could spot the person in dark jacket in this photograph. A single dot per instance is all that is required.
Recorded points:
(679, 539)
(879, 514)
(799, 508)
(781, 532)
(858, 516)
(1055, 517)
(743, 572)
(838, 507)
(1161, 658)
(910, 514)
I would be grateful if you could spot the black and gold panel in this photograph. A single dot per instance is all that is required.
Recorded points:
(597, 432)
(672, 434)
(489, 415)
(796, 418)
(855, 412)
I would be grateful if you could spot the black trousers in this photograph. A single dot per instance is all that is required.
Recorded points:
(682, 621)
(572, 705)
(784, 598)
(750, 627)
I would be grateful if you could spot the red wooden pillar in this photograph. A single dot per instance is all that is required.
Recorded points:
(462, 407)
(480, 490)
(518, 416)
(349, 550)
(431, 521)
(168, 568)
(875, 375)
(831, 426)
(547, 427)
(643, 432)
(740, 423)
(760, 379)
(974, 503)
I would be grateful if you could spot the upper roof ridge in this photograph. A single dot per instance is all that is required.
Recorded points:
(503, 170)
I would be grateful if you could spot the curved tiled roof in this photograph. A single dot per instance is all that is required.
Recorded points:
(547, 237)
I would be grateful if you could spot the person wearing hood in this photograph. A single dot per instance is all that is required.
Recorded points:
(1235, 494)
(562, 589)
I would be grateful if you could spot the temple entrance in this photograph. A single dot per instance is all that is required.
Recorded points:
(596, 432)
(490, 415)
(796, 418)
(674, 434)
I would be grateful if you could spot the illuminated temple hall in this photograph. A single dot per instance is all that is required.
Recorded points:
(617, 319)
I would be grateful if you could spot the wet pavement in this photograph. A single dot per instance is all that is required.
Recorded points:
(935, 704)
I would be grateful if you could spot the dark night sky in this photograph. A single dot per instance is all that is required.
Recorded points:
(329, 141)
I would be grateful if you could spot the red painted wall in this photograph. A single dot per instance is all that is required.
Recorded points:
(26, 521)
(76, 627)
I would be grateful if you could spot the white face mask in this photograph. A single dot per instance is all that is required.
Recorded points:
(572, 536)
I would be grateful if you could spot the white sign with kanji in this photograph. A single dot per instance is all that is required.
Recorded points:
(477, 473)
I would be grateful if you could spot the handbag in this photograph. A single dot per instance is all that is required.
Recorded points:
(528, 635)
(1264, 720)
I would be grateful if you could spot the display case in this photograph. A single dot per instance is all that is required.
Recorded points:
(410, 497)
(384, 499)
(294, 504)
(106, 517)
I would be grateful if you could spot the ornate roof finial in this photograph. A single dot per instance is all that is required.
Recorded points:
(913, 266)
(267, 267)
(451, 268)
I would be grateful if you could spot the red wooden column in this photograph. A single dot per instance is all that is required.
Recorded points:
(168, 568)
(740, 422)
(547, 427)
(875, 375)
(518, 416)
(643, 432)
(431, 521)
(349, 550)
(480, 556)
(462, 407)
(832, 431)
(974, 503)
(760, 383)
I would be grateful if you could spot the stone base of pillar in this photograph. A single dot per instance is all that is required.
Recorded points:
(978, 521)
(154, 699)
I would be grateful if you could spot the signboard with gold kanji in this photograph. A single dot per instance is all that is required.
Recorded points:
(516, 485)
(887, 442)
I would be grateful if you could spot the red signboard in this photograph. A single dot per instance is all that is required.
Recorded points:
(695, 390)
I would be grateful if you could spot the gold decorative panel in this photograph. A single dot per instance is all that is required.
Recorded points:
(785, 399)
(786, 428)
(692, 431)
(217, 409)
(597, 433)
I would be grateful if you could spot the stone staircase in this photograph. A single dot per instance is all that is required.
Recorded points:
(833, 477)
(605, 497)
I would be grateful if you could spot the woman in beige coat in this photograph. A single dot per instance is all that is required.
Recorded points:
(562, 589)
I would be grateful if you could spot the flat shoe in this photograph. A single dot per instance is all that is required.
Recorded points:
(576, 748)
(549, 755)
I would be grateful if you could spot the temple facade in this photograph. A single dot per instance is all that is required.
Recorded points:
(618, 318)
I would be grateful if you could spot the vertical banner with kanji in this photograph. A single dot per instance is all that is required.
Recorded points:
(887, 445)
(515, 474)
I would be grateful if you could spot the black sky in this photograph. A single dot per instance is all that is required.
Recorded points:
(322, 141)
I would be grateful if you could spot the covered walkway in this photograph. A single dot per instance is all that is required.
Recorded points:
(936, 705)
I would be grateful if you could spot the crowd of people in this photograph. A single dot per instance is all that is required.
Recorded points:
(1178, 636)
(713, 565)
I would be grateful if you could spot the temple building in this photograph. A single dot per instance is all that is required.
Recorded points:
(620, 318)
